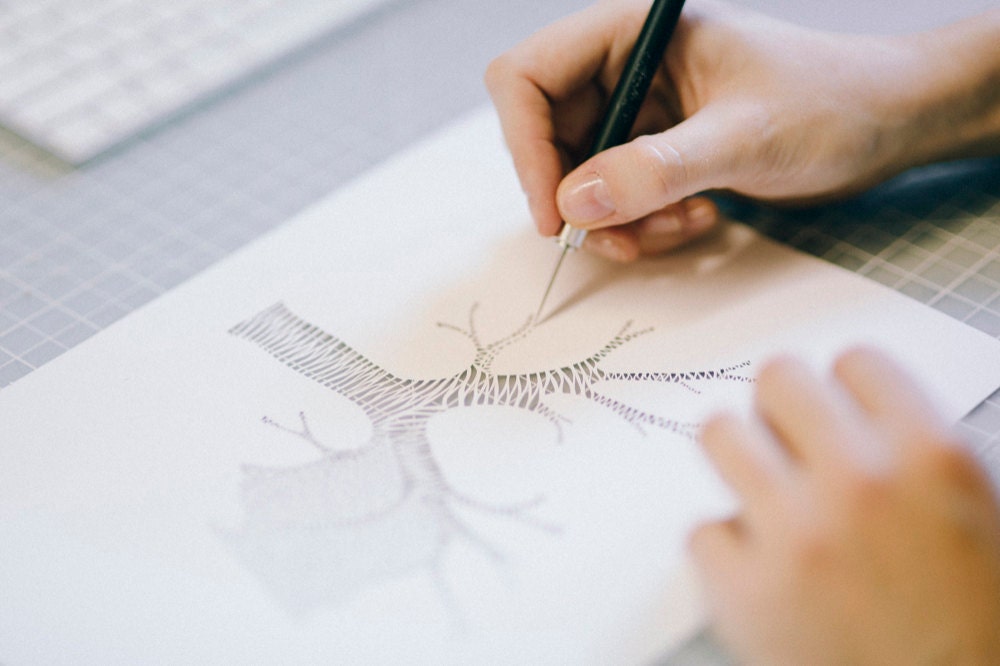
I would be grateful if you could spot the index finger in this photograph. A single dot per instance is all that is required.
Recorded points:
(527, 81)
(526, 119)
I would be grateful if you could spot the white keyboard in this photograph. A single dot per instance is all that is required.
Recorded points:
(79, 76)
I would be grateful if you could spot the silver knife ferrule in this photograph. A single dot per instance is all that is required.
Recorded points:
(571, 238)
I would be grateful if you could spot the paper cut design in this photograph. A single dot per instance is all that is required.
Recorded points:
(320, 532)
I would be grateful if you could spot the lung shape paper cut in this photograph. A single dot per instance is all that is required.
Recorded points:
(318, 532)
(300, 456)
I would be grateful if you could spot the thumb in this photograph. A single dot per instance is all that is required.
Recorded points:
(630, 181)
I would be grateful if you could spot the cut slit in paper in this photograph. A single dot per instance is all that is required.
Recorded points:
(312, 532)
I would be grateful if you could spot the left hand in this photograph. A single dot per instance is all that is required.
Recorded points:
(866, 534)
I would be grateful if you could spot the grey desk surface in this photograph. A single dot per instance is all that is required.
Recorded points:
(81, 248)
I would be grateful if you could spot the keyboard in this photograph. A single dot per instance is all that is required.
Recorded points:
(78, 77)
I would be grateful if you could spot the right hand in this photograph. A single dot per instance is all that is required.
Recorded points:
(742, 102)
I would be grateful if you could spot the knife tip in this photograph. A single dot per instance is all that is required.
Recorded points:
(548, 288)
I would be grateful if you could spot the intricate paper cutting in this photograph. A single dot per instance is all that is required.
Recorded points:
(319, 532)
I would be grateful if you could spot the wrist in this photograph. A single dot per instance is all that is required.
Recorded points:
(947, 104)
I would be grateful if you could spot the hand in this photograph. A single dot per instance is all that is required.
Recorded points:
(866, 536)
(741, 102)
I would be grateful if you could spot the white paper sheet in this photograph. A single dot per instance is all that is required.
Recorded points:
(341, 444)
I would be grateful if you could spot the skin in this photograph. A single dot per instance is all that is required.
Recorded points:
(741, 102)
(866, 535)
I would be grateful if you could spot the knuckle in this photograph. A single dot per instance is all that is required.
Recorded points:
(947, 460)
(497, 72)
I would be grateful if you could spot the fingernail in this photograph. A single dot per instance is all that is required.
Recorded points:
(587, 202)
(701, 214)
(663, 224)
(607, 246)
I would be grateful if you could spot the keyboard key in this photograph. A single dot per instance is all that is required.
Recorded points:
(78, 78)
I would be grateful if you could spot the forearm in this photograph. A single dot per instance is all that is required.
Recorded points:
(951, 94)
